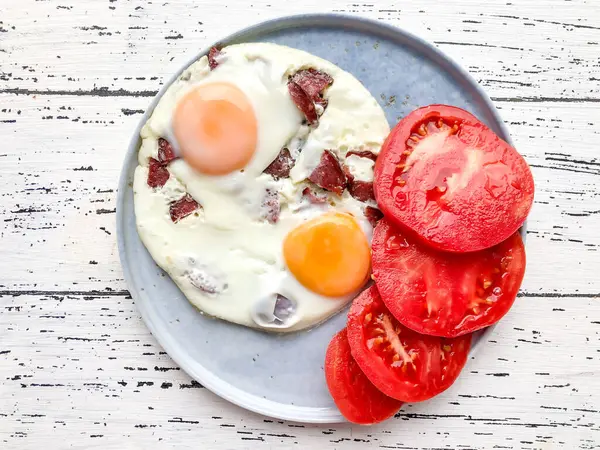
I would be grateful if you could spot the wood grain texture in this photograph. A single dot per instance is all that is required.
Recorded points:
(78, 368)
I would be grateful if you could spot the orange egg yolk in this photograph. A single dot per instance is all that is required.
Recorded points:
(216, 128)
(329, 255)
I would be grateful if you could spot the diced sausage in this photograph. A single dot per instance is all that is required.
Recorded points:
(281, 166)
(166, 154)
(306, 89)
(158, 174)
(313, 197)
(205, 281)
(373, 215)
(361, 190)
(213, 55)
(183, 207)
(362, 154)
(303, 102)
(313, 82)
(329, 174)
(271, 206)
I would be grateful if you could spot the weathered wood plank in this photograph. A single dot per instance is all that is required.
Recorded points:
(545, 50)
(92, 355)
(61, 198)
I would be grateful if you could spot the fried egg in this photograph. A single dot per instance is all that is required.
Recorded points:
(242, 244)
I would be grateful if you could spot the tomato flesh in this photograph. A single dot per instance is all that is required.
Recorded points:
(441, 293)
(448, 178)
(354, 395)
(401, 363)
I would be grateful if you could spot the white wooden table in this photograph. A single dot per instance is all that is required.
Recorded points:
(78, 368)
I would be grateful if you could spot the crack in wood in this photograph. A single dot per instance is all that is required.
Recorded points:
(126, 293)
(97, 293)
(96, 92)
(106, 92)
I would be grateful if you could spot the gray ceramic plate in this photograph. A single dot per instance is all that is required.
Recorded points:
(282, 376)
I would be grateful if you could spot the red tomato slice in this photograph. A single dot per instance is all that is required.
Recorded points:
(355, 396)
(441, 293)
(451, 180)
(401, 363)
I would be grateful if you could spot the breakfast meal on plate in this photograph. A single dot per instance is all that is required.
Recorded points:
(273, 193)
(254, 189)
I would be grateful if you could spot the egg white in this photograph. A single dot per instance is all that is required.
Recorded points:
(228, 239)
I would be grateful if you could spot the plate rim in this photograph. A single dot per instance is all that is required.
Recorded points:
(213, 383)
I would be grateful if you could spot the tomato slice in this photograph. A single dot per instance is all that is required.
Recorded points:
(441, 293)
(451, 180)
(401, 363)
(355, 396)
